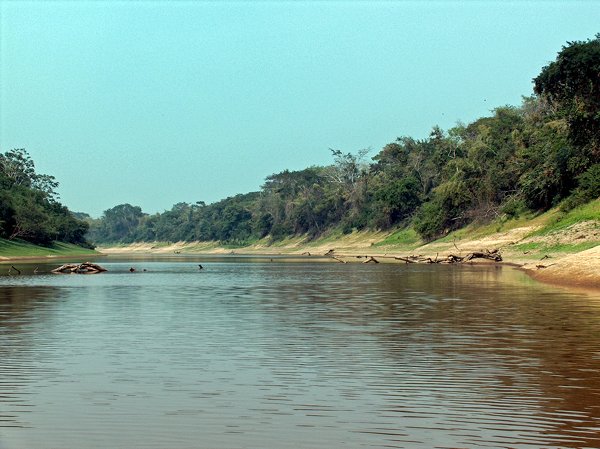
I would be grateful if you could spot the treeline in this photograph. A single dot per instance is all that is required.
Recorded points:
(29, 208)
(542, 153)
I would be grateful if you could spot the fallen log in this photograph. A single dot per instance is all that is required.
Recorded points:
(82, 268)
(405, 259)
(490, 255)
(452, 258)
(493, 255)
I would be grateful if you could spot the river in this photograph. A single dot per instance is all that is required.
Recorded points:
(261, 353)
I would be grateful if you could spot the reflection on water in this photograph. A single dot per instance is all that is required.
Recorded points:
(288, 355)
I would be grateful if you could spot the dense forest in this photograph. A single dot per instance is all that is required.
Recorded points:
(540, 154)
(532, 157)
(29, 207)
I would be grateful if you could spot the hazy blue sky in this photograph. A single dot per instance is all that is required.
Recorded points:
(154, 103)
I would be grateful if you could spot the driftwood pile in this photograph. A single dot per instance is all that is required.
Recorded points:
(493, 255)
(451, 258)
(82, 268)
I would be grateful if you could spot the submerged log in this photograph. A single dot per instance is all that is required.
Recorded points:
(82, 268)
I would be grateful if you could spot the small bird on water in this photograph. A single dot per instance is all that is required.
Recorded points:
(200, 267)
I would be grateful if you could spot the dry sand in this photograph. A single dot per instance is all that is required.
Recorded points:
(576, 270)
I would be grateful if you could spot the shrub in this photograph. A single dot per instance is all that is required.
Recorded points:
(587, 190)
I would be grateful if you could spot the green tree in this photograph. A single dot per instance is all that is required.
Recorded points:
(29, 209)
(572, 85)
(543, 155)
(32, 222)
(118, 224)
(395, 201)
(18, 169)
(445, 211)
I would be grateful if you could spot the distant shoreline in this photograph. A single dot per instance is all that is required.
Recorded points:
(579, 270)
(569, 257)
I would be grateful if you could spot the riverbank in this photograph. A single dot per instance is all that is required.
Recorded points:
(554, 247)
(11, 250)
(581, 269)
(551, 248)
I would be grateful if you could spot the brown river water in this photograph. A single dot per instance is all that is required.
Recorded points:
(254, 353)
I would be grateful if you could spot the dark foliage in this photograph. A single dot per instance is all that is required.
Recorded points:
(29, 209)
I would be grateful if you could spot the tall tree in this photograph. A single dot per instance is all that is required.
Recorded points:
(572, 84)
(29, 208)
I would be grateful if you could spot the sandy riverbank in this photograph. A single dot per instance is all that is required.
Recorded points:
(565, 268)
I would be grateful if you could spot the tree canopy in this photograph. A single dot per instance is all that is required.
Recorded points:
(29, 207)
(572, 85)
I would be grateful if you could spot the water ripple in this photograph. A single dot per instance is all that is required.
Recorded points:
(282, 355)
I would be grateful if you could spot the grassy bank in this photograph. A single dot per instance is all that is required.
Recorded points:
(526, 236)
(11, 249)
(554, 246)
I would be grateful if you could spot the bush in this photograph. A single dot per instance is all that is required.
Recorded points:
(430, 220)
(513, 207)
(397, 200)
(445, 212)
(588, 189)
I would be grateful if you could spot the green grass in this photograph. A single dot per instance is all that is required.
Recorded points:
(530, 246)
(402, 237)
(13, 248)
(561, 220)
(331, 236)
(540, 247)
